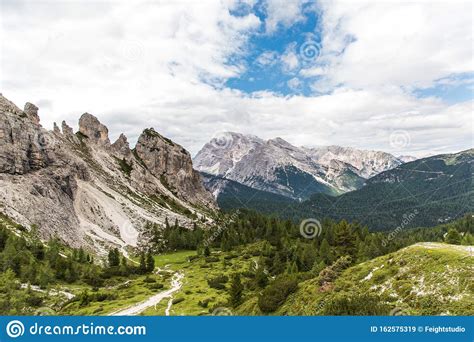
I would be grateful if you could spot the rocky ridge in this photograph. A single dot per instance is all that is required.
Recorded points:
(296, 172)
(90, 192)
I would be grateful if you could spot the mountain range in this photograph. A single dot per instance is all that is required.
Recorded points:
(89, 192)
(279, 167)
(374, 188)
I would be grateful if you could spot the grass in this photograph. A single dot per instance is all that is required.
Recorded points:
(196, 297)
(423, 279)
(432, 279)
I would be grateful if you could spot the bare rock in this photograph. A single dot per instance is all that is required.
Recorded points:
(56, 129)
(31, 112)
(93, 129)
(172, 164)
(121, 146)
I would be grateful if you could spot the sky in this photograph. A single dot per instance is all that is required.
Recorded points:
(396, 76)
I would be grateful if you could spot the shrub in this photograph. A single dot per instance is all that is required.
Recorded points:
(355, 304)
(149, 280)
(177, 300)
(218, 282)
(276, 293)
(156, 286)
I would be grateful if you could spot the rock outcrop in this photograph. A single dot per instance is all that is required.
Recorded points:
(87, 192)
(24, 145)
(172, 164)
(91, 127)
(121, 146)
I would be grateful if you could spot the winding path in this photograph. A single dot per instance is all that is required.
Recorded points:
(176, 283)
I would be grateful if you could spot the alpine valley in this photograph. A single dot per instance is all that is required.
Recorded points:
(249, 227)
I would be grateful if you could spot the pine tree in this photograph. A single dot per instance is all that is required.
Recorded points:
(150, 262)
(114, 257)
(453, 237)
(142, 267)
(261, 279)
(236, 290)
(325, 252)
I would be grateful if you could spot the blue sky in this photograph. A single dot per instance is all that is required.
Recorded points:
(364, 74)
(269, 48)
(275, 76)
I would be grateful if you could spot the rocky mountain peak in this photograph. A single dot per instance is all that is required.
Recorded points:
(88, 192)
(121, 145)
(31, 112)
(93, 129)
(172, 164)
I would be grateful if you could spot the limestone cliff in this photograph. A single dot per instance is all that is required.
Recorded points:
(89, 192)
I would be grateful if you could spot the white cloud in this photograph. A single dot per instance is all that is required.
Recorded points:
(267, 58)
(283, 14)
(289, 58)
(137, 65)
(411, 44)
(294, 84)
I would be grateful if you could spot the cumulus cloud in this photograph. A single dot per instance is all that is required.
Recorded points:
(410, 44)
(165, 64)
(282, 14)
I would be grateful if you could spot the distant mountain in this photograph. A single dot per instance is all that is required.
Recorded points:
(367, 163)
(407, 159)
(296, 172)
(424, 192)
(231, 194)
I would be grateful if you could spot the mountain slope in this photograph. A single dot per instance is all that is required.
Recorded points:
(231, 194)
(279, 167)
(87, 191)
(428, 191)
(423, 279)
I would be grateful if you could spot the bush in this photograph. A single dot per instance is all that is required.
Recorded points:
(218, 282)
(149, 280)
(177, 300)
(276, 293)
(155, 286)
(330, 273)
(355, 304)
(212, 259)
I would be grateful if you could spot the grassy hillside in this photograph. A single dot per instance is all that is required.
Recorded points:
(423, 279)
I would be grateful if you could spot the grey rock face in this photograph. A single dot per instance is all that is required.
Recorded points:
(91, 127)
(25, 146)
(172, 164)
(32, 112)
(264, 165)
(90, 193)
(121, 146)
